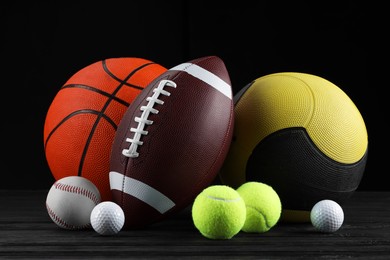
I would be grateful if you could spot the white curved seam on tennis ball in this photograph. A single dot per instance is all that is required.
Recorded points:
(225, 200)
(258, 211)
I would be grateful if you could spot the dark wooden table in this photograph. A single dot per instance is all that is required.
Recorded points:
(26, 231)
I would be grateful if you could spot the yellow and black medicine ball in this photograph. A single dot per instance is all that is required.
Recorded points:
(300, 134)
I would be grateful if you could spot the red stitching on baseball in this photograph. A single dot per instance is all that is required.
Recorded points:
(78, 190)
(62, 223)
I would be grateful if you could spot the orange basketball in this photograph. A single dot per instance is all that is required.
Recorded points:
(83, 117)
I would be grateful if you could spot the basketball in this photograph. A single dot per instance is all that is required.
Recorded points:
(82, 119)
(300, 134)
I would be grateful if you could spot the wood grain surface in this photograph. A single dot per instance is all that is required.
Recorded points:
(27, 232)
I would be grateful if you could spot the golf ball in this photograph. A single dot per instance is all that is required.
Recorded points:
(107, 218)
(327, 216)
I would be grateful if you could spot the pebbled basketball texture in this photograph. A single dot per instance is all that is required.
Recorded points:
(172, 141)
(300, 134)
(83, 117)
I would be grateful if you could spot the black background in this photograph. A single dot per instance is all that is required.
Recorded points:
(43, 44)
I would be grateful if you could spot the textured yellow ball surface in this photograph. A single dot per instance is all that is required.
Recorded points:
(218, 212)
(301, 134)
(263, 207)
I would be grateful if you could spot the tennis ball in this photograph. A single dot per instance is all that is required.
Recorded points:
(218, 212)
(263, 206)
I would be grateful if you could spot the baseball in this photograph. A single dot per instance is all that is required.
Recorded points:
(70, 202)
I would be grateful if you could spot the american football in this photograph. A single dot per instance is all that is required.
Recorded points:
(172, 141)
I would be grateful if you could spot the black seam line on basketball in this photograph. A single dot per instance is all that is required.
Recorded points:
(99, 91)
(83, 111)
(110, 98)
(124, 81)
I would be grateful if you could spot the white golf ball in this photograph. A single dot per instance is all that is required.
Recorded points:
(327, 216)
(107, 218)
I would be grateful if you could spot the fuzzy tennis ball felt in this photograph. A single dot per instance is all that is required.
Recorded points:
(218, 212)
(263, 206)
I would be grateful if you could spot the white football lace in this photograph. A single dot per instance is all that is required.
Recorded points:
(143, 120)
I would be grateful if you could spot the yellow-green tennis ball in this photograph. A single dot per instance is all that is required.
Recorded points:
(263, 206)
(218, 212)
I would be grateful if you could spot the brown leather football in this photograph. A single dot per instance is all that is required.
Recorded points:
(172, 141)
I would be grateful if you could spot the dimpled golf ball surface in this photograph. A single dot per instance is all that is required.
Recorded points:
(327, 216)
(107, 218)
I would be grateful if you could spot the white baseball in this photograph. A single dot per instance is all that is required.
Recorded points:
(70, 202)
